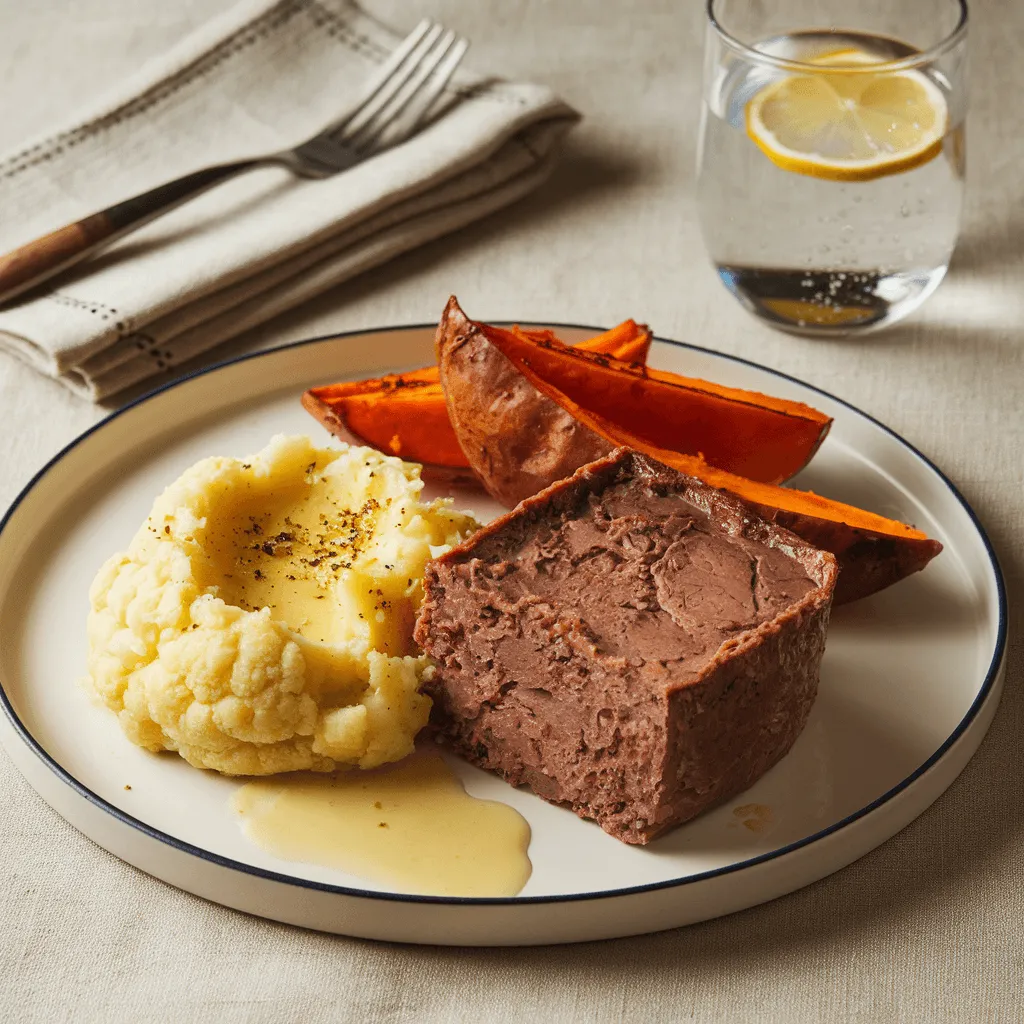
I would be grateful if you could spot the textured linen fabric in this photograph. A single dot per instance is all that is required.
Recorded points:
(927, 927)
(262, 77)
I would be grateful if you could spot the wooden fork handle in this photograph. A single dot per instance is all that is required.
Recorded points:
(38, 261)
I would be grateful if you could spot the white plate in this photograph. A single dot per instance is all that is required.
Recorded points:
(910, 682)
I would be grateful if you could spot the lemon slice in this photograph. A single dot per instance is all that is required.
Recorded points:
(848, 124)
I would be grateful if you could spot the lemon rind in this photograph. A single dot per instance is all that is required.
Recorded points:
(790, 160)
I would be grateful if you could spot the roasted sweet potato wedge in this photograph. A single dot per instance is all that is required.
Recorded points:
(516, 448)
(745, 432)
(405, 414)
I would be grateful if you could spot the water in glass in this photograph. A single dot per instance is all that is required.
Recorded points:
(815, 255)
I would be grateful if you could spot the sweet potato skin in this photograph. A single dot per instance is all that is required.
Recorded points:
(516, 440)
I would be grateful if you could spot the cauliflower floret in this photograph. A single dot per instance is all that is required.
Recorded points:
(184, 649)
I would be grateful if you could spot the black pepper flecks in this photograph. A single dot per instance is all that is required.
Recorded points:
(315, 554)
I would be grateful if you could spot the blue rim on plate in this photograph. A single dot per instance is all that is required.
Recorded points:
(372, 894)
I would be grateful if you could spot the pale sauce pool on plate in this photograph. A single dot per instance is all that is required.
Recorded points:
(411, 827)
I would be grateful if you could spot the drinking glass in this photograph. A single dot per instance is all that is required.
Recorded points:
(831, 158)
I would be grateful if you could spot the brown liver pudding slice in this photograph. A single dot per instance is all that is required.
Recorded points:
(630, 643)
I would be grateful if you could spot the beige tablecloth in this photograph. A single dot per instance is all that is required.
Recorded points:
(928, 927)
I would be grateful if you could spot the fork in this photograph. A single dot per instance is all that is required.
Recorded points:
(396, 102)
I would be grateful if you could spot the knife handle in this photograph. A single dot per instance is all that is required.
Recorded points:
(39, 260)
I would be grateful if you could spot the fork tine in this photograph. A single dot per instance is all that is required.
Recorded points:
(383, 74)
(385, 113)
(422, 103)
(397, 119)
(398, 73)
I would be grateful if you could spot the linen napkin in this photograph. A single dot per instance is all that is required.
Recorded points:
(264, 76)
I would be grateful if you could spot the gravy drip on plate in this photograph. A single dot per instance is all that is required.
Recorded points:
(411, 827)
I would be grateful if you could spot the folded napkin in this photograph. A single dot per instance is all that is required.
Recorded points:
(264, 76)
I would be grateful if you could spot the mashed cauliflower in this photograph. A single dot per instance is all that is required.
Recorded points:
(261, 619)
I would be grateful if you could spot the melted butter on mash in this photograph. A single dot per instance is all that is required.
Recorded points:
(261, 619)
